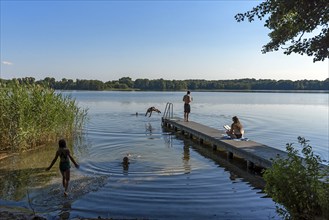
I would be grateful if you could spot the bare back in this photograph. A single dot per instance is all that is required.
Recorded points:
(237, 128)
(187, 99)
(64, 154)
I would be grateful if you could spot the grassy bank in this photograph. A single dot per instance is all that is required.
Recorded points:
(33, 115)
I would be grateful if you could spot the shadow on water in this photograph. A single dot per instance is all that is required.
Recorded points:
(237, 167)
(15, 183)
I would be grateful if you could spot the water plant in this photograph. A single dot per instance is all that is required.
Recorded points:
(32, 115)
(299, 184)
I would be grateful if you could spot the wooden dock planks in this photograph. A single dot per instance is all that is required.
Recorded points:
(254, 153)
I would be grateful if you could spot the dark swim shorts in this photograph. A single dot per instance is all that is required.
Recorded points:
(187, 108)
(63, 166)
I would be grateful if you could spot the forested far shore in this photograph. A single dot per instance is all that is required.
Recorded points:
(126, 83)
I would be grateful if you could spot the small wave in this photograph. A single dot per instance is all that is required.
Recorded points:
(52, 197)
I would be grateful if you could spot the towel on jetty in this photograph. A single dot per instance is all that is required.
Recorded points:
(235, 139)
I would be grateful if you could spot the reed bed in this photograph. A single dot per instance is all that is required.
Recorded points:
(33, 115)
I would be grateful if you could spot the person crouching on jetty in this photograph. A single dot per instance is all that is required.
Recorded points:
(236, 130)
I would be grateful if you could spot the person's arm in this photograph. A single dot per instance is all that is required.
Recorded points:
(73, 161)
(232, 128)
(52, 162)
(241, 130)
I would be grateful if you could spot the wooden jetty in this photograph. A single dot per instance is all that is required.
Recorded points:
(254, 153)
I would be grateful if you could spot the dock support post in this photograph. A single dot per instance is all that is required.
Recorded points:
(183, 132)
(191, 136)
(214, 147)
(229, 155)
(250, 165)
(176, 129)
(201, 141)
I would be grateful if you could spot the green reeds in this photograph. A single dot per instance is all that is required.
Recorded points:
(33, 115)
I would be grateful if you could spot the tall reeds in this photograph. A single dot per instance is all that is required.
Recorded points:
(32, 115)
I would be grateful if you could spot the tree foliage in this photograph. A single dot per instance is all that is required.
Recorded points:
(297, 22)
(126, 83)
(299, 184)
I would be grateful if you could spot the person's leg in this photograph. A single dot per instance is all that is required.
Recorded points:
(63, 178)
(238, 136)
(233, 136)
(188, 109)
(229, 133)
(67, 180)
(185, 112)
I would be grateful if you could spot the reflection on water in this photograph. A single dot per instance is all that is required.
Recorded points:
(19, 172)
(236, 167)
(186, 158)
(14, 183)
(168, 177)
(65, 210)
(148, 129)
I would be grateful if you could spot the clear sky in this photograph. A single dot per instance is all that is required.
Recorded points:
(107, 40)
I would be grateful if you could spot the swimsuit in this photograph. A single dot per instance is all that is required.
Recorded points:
(187, 99)
(187, 108)
(64, 160)
(63, 166)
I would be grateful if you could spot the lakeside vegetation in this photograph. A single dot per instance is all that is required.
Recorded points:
(33, 115)
(298, 184)
(126, 83)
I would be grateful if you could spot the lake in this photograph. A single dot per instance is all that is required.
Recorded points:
(169, 176)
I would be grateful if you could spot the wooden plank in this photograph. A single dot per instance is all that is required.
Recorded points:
(251, 151)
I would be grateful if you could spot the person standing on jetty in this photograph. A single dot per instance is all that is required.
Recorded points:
(64, 166)
(187, 108)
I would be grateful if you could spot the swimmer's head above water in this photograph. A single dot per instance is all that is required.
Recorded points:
(125, 161)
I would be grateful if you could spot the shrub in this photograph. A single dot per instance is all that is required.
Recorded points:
(33, 115)
(299, 184)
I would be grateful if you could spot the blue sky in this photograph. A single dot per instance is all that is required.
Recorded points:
(107, 40)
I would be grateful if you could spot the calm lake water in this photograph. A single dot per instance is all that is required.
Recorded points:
(169, 177)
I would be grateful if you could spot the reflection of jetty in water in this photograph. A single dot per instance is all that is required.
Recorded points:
(235, 166)
(168, 138)
(254, 153)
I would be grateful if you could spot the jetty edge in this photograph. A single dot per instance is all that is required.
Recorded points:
(253, 152)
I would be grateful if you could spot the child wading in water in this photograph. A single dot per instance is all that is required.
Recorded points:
(64, 166)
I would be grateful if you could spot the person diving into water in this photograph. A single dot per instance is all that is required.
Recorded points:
(152, 109)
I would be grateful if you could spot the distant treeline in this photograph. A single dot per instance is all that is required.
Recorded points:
(126, 83)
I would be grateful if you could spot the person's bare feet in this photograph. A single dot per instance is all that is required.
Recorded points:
(66, 194)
